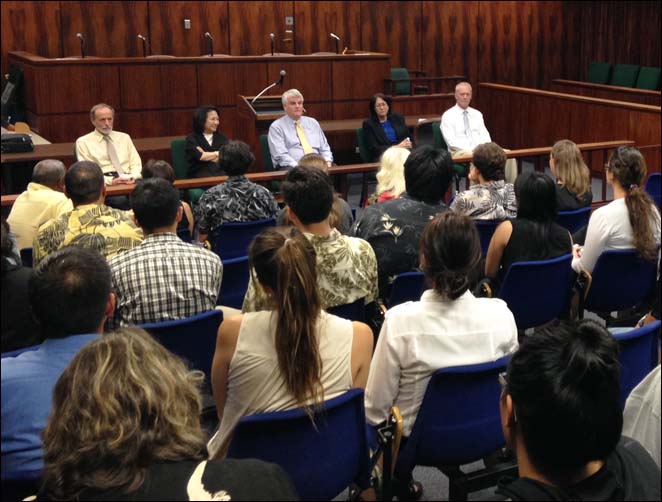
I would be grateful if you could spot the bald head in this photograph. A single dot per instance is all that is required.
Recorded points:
(463, 94)
(49, 172)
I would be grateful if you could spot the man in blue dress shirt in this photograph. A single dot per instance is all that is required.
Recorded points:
(71, 298)
(292, 136)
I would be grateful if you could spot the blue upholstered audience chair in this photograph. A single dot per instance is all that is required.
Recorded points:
(486, 229)
(235, 282)
(458, 423)
(232, 240)
(620, 280)
(321, 459)
(14, 353)
(406, 287)
(26, 257)
(193, 338)
(184, 234)
(654, 188)
(638, 355)
(354, 311)
(599, 72)
(574, 220)
(538, 291)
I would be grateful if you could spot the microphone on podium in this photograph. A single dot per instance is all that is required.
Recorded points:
(277, 82)
(144, 42)
(83, 45)
(211, 43)
(273, 41)
(337, 39)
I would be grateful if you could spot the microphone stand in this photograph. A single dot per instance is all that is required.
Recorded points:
(271, 86)
(272, 37)
(83, 45)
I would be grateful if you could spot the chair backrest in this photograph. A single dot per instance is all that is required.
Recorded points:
(22, 128)
(179, 164)
(654, 188)
(620, 280)
(638, 355)
(184, 234)
(599, 72)
(354, 311)
(486, 229)
(458, 421)
(26, 257)
(14, 353)
(424, 132)
(235, 282)
(193, 338)
(574, 220)
(323, 458)
(404, 86)
(624, 75)
(363, 146)
(406, 287)
(266, 153)
(538, 291)
(232, 240)
(649, 78)
(438, 138)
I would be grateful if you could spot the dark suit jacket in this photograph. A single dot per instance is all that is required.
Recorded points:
(196, 167)
(376, 137)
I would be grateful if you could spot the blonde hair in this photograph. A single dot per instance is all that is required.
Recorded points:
(391, 175)
(123, 404)
(570, 167)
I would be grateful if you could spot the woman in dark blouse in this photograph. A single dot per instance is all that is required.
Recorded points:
(203, 144)
(384, 128)
(573, 182)
(533, 235)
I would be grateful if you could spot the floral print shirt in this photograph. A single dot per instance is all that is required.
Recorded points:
(346, 271)
(393, 229)
(494, 200)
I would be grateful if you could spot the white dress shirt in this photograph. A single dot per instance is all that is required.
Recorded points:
(418, 338)
(285, 145)
(93, 147)
(454, 131)
(641, 416)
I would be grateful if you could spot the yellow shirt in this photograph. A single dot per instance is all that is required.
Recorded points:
(34, 207)
(93, 147)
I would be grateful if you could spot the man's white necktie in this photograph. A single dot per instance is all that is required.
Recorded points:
(112, 155)
(467, 127)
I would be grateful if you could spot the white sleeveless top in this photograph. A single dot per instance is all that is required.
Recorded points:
(255, 384)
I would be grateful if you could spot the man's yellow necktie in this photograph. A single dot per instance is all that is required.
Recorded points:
(304, 141)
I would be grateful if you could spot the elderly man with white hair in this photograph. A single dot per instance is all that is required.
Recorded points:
(292, 136)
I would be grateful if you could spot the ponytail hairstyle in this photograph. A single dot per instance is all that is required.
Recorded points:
(450, 251)
(628, 168)
(570, 168)
(285, 262)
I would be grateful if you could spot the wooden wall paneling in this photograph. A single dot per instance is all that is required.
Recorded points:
(220, 83)
(393, 28)
(315, 20)
(229, 120)
(141, 87)
(251, 23)
(358, 80)
(61, 128)
(168, 35)
(144, 123)
(312, 78)
(110, 28)
(423, 105)
(32, 27)
(179, 85)
(449, 41)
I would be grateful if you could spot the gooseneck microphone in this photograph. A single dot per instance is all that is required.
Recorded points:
(273, 40)
(337, 39)
(211, 43)
(144, 42)
(277, 82)
(83, 45)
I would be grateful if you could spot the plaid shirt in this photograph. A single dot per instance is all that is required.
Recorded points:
(164, 279)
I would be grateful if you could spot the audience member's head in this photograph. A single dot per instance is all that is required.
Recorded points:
(206, 119)
(382, 100)
(561, 402)
(70, 292)
(314, 160)
(84, 183)
(391, 174)
(156, 205)
(50, 173)
(567, 164)
(490, 161)
(627, 170)
(158, 169)
(132, 404)
(102, 117)
(285, 264)
(235, 158)
(428, 172)
(536, 197)
(309, 194)
(450, 250)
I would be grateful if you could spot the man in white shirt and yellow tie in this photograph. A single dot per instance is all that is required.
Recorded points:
(463, 129)
(113, 151)
(293, 135)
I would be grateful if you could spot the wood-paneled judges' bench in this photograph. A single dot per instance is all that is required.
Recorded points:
(156, 96)
(613, 92)
(598, 151)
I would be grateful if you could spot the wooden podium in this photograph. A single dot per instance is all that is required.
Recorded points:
(254, 119)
